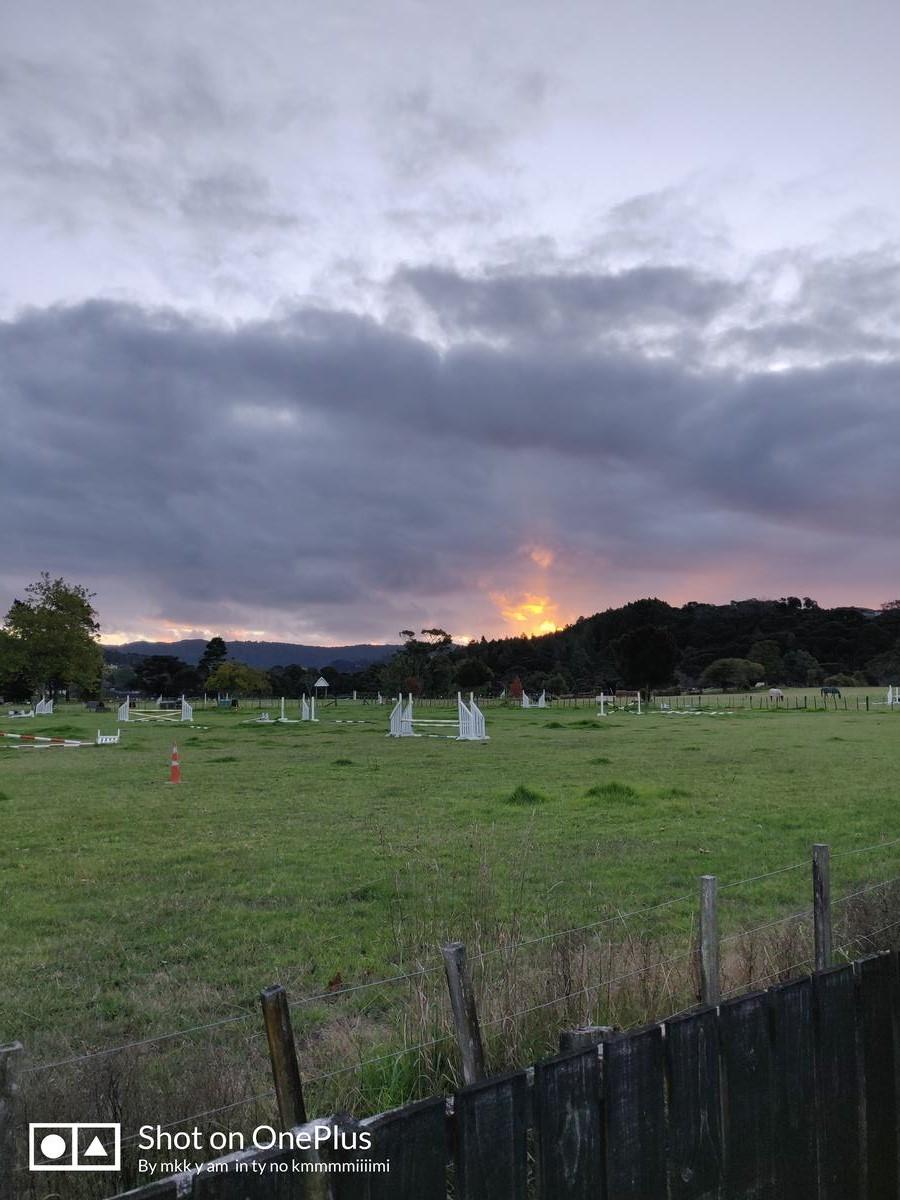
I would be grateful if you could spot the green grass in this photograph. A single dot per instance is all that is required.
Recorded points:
(132, 907)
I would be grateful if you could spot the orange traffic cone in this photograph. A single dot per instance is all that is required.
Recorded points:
(175, 768)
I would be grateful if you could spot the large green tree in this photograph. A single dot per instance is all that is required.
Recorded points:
(238, 679)
(50, 641)
(166, 675)
(740, 673)
(645, 657)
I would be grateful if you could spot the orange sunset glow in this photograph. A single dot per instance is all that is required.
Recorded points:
(528, 612)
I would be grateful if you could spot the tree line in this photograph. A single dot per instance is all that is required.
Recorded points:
(48, 644)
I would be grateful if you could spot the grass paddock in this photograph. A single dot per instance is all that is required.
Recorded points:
(326, 855)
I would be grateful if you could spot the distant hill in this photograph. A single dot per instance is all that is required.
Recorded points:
(269, 654)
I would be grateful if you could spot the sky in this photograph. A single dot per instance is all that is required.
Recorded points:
(319, 322)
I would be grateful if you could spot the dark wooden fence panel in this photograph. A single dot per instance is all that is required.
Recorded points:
(634, 1086)
(568, 1118)
(793, 1093)
(492, 1139)
(838, 1093)
(414, 1141)
(694, 1119)
(794, 1088)
(349, 1186)
(746, 1061)
(878, 1004)
(161, 1189)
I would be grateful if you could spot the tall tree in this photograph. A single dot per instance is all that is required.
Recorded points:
(213, 656)
(645, 656)
(166, 675)
(53, 637)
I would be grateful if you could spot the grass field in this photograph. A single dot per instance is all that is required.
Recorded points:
(325, 855)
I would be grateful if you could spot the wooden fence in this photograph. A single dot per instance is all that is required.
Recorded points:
(787, 1093)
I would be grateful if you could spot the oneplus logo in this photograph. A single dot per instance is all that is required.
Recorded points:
(74, 1146)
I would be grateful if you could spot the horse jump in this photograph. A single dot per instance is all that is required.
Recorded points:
(469, 720)
(616, 698)
(126, 713)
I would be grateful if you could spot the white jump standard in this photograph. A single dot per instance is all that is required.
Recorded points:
(469, 721)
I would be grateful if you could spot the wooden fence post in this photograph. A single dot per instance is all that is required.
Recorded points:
(709, 940)
(285, 1069)
(821, 872)
(10, 1058)
(465, 1014)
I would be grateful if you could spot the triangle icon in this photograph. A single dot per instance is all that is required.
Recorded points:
(96, 1150)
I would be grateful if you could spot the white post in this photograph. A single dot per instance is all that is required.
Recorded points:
(602, 699)
(639, 701)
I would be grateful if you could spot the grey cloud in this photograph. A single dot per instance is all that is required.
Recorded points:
(422, 136)
(98, 144)
(324, 463)
(576, 304)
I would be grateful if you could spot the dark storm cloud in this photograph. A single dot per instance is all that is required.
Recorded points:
(328, 463)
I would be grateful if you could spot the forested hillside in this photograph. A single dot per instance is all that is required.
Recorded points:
(647, 644)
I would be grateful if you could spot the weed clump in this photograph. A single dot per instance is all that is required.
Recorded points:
(525, 795)
(612, 792)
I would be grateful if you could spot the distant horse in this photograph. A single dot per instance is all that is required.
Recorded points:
(830, 691)
(776, 694)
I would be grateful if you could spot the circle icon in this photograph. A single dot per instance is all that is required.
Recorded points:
(53, 1146)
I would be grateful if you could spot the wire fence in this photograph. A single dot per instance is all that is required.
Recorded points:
(506, 1019)
(419, 973)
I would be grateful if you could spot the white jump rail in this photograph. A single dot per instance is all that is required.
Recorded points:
(627, 697)
(45, 743)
